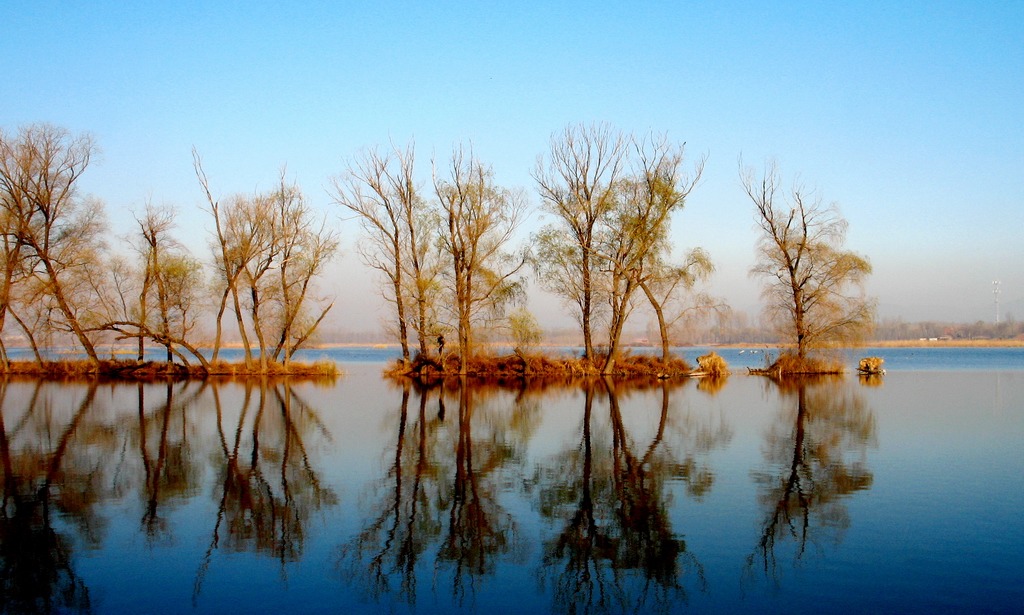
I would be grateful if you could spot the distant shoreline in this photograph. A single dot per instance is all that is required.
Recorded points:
(933, 343)
(918, 343)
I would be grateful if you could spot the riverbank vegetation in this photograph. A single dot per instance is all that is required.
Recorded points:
(519, 366)
(130, 369)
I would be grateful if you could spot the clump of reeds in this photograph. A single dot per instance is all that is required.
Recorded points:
(645, 365)
(712, 364)
(871, 365)
(789, 363)
(316, 369)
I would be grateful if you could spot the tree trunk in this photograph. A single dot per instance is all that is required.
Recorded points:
(257, 326)
(587, 308)
(28, 335)
(220, 326)
(241, 324)
(662, 325)
(65, 308)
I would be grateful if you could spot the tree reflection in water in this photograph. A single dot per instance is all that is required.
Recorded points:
(170, 471)
(268, 486)
(617, 551)
(406, 521)
(816, 454)
(35, 571)
(478, 529)
(440, 493)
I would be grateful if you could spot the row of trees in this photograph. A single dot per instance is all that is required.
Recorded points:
(444, 251)
(611, 197)
(445, 259)
(58, 277)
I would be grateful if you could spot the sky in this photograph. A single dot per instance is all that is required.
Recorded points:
(908, 115)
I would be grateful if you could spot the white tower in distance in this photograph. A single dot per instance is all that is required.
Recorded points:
(995, 293)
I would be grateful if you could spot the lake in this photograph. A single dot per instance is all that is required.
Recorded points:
(895, 494)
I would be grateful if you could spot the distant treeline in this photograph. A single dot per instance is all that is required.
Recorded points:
(897, 329)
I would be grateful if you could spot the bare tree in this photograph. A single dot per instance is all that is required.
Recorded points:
(576, 183)
(479, 219)
(230, 254)
(269, 249)
(174, 281)
(154, 230)
(398, 230)
(305, 245)
(808, 276)
(11, 273)
(59, 233)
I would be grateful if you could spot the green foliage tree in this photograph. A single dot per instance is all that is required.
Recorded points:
(808, 278)
(479, 218)
(576, 182)
(633, 245)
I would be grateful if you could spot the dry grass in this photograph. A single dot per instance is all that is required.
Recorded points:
(789, 364)
(537, 367)
(712, 364)
(871, 365)
(152, 370)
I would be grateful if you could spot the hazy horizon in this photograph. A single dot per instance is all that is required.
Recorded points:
(909, 117)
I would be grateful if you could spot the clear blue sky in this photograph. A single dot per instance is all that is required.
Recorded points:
(910, 115)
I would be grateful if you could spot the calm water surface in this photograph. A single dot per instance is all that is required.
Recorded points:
(898, 494)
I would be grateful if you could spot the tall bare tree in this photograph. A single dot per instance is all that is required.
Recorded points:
(809, 278)
(479, 220)
(576, 183)
(154, 230)
(58, 232)
(230, 253)
(269, 248)
(305, 245)
(398, 231)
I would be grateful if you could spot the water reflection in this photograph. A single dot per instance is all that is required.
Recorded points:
(816, 456)
(586, 496)
(66, 451)
(617, 550)
(441, 493)
(437, 512)
(405, 521)
(268, 487)
(170, 471)
(36, 570)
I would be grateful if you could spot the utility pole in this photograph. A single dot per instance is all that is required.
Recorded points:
(995, 293)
